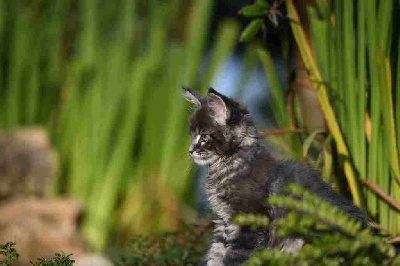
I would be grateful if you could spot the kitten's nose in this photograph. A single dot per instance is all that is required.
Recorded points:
(191, 152)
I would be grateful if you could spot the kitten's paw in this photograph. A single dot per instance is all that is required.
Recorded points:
(291, 245)
(215, 263)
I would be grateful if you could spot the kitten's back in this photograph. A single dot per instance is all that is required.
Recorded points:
(286, 172)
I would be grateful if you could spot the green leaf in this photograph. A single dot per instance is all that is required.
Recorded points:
(254, 10)
(329, 114)
(309, 140)
(251, 30)
(262, 3)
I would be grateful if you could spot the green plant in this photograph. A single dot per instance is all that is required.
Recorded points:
(331, 237)
(186, 246)
(105, 79)
(352, 66)
(59, 259)
(9, 252)
(11, 255)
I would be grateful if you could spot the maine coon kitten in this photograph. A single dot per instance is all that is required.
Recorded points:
(241, 176)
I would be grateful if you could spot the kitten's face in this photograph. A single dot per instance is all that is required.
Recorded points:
(218, 127)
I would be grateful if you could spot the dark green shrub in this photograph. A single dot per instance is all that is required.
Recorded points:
(184, 247)
(11, 255)
(331, 236)
(59, 259)
(9, 252)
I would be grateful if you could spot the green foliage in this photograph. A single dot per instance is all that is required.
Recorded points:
(105, 77)
(258, 9)
(254, 220)
(352, 64)
(331, 236)
(259, 12)
(59, 259)
(251, 30)
(313, 211)
(11, 255)
(9, 252)
(184, 247)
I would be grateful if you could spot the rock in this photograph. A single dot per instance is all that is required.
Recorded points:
(27, 163)
(41, 228)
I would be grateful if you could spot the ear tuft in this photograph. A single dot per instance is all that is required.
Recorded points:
(192, 96)
(218, 108)
(211, 90)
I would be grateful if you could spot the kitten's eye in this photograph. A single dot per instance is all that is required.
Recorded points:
(204, 138)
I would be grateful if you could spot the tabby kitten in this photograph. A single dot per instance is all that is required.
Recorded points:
(241, 176)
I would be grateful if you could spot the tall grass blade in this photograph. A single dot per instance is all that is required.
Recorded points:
(318, 83)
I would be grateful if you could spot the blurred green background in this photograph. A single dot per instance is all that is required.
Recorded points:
(104, 78)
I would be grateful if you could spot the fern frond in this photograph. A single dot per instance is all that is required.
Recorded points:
(331, 236)
(320, 211)
(253, 220)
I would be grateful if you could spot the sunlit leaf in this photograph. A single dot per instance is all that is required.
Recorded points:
(251, 30)
(254, 10)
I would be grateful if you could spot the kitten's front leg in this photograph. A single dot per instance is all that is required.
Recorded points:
(241, 242)
(216, 253)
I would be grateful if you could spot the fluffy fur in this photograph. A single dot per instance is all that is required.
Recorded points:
(242, 175)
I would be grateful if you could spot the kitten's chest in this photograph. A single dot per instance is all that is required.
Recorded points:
(238, 187)
(218, 198)
(223, 192)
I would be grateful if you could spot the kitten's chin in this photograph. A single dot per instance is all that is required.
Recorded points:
(205, 161)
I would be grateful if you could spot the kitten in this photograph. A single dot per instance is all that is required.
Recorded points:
(241, 176)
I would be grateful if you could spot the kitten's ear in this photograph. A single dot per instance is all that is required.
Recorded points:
(211, 90)
(218, 108)
(192, 96)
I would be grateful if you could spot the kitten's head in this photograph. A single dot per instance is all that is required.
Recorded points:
(219, 127)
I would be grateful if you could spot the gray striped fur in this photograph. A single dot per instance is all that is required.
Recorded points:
(242, 175)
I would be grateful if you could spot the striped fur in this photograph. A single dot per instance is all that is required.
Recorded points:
(242, 175)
